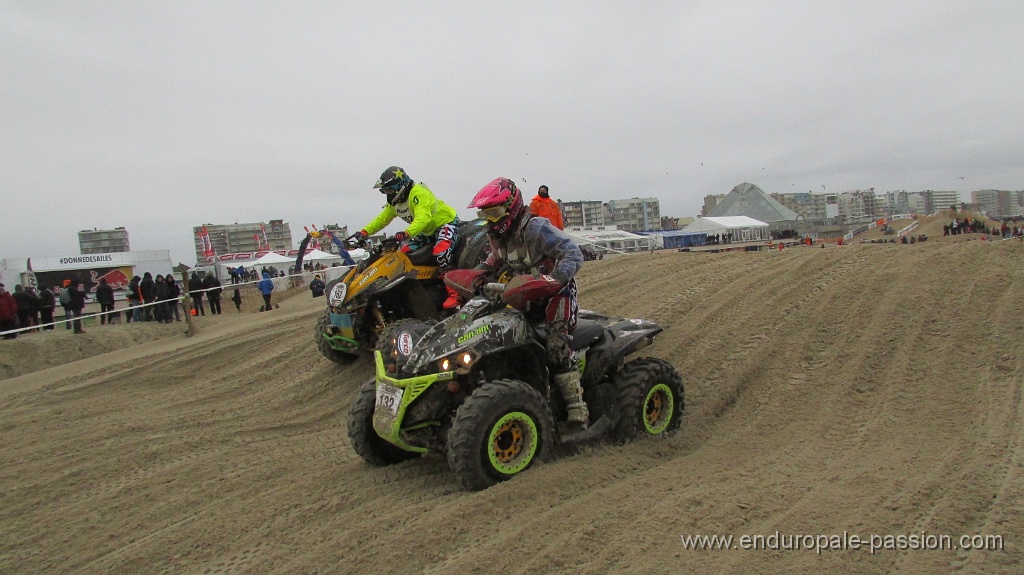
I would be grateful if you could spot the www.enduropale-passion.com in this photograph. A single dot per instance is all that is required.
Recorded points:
(777, 541)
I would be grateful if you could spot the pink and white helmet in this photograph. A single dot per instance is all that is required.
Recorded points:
(500, 203)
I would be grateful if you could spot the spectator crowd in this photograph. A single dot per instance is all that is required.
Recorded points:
(150, 299)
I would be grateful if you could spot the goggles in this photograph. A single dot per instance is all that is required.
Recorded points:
(493, 213)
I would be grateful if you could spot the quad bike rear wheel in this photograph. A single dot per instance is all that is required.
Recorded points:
(337, 356)
(499, 431)
(364, 439)
(650, 398)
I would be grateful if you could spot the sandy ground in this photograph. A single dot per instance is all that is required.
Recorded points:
(870, 389)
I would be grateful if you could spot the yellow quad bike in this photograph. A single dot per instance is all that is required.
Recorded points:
(385, 286)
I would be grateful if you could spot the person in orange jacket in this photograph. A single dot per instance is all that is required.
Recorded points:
(544, 207)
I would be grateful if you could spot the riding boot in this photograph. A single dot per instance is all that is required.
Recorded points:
(572, 391)
(453, 301)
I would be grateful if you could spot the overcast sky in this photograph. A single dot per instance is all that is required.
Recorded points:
(160, 116)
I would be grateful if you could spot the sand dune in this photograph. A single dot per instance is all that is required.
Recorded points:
(872, 389)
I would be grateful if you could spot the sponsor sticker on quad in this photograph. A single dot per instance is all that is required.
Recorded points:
(389, 398)
(337, 296)
(405, 343)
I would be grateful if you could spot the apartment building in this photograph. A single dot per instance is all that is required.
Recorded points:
(632, 214)
(584, 214)
(859, 205)
(340, 232)
(999, 203)
(248, 237)
(636, 214)
(710, 202)
(811, 206)
(97, 241)
(938, 200)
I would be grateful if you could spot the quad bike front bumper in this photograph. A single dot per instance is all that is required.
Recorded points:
(340, 333)
(393, 399)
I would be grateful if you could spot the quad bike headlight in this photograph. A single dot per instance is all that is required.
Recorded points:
(459, 363)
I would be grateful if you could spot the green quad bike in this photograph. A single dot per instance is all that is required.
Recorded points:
(475, 386)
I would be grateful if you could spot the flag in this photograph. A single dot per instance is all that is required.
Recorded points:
(204, 236)
(31, 275)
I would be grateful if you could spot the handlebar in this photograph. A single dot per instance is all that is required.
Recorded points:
(492, 289)
(354, 244)
(492, 292)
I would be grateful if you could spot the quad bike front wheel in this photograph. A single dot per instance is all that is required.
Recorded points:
(499, 431)
(337, 356)
(650, 398)
(364, 439)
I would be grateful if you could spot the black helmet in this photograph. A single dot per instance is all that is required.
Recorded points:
(395, 183)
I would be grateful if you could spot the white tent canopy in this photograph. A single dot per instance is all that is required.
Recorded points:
(321, 255)
(742, 228)
(325, 257)
(610, 238)
(272, 259)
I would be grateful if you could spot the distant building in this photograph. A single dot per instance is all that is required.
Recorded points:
(585, 213)
(632, 214)
(811, 206)
(938, 200)
(636, 214)
(103, 241)
(709, 203)
(895, 202)
(916, 202)
(340, 232)
(669, 223)
(274, 235)
(859, 206)
(999, 203)
(749, 200)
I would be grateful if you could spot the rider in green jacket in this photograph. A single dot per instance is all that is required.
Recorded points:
(430, 220)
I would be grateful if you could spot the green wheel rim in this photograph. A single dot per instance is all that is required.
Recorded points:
(659, 406)
(512, 443)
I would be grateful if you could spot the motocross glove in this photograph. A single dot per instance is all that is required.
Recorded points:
(401, 236)
(360, 237)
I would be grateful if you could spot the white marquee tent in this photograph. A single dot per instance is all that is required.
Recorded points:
(610, 238)
(328, 258)
(320, 255)
(273, 259)
(742, 228)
